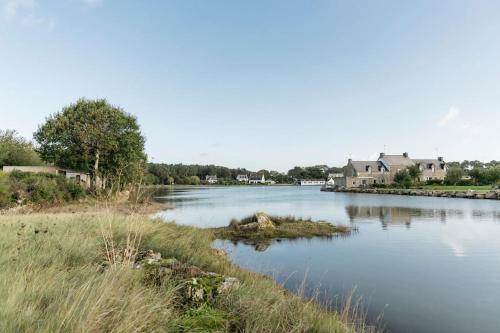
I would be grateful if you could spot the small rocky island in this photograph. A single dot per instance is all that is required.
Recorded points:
(260, 226)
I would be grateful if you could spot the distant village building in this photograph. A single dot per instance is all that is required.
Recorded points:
(211, 179)
(331, 181)
(242, 178)
(383, 170)
(311, 182)
(81, 178)
(257, 179)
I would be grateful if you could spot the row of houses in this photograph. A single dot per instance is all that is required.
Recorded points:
(261, 179)
(383, 170)
(244, 179)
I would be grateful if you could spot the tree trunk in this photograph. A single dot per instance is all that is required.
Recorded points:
(96, 171)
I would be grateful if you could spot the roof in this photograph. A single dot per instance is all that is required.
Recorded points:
(428, 161)
(256, 177)
(360, 166)
(397, 160)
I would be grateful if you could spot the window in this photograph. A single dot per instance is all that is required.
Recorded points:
(354, 183)
(374, 181)
(364, 182)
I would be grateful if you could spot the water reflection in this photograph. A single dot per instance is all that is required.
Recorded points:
(406, 215)
(263, 244)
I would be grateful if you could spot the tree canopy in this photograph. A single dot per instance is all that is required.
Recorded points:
(16, 150)
(94, 136)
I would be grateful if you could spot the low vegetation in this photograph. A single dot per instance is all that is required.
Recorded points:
(76, 273)
(262, 227)
(21, 188)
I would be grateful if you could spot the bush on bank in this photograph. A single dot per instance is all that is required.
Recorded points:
(37, 188)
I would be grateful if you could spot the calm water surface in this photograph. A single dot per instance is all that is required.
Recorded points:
(427, 264)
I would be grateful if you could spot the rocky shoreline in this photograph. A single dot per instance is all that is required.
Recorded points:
(492, 195)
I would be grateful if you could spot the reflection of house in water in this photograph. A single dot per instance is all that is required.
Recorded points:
(386, 215)
(399, 215)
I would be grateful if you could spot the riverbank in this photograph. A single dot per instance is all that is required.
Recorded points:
(82, 271)
(470, 194)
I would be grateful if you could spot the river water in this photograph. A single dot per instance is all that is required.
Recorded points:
(425, 264)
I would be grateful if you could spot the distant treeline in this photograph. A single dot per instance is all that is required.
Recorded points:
(479, 173)
(194, 174)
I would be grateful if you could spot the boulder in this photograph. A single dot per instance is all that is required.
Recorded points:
(470, 194)
(263, 221)
(206, 287)
(490, 195)
(228, 283)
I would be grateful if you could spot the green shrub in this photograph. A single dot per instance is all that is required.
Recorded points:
(403, 178)
(42, 188)
(203, 319)
(434, 182)
(465, 182)
(5, 198)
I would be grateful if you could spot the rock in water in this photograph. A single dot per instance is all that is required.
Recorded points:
(263, 221)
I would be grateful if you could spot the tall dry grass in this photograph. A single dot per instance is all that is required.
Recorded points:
(52, 280)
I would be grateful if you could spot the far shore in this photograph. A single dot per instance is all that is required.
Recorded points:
(442, 193)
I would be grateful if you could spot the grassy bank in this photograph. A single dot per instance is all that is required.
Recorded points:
(458, 188)
(262, 227)
(51, 281)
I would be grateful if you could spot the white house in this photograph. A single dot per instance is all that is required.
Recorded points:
(242, 178)
(330, 182)
(211, 179)
(257, 179)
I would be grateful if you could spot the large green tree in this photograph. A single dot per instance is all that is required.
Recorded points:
(403, 178)
(97, 137)
(16, 150)
(414, 172)
(453, 175)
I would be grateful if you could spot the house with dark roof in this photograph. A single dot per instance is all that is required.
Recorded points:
(211, 179)
(383, 170)
(257, 179)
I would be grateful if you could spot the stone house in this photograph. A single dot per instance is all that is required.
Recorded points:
(432, 168)
(383, 170)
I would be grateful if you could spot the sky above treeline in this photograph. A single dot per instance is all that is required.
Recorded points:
(264, 84)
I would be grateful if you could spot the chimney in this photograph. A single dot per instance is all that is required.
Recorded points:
(405, 154)
(381, 155)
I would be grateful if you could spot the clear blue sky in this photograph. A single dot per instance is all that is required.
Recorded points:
(264, 84)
